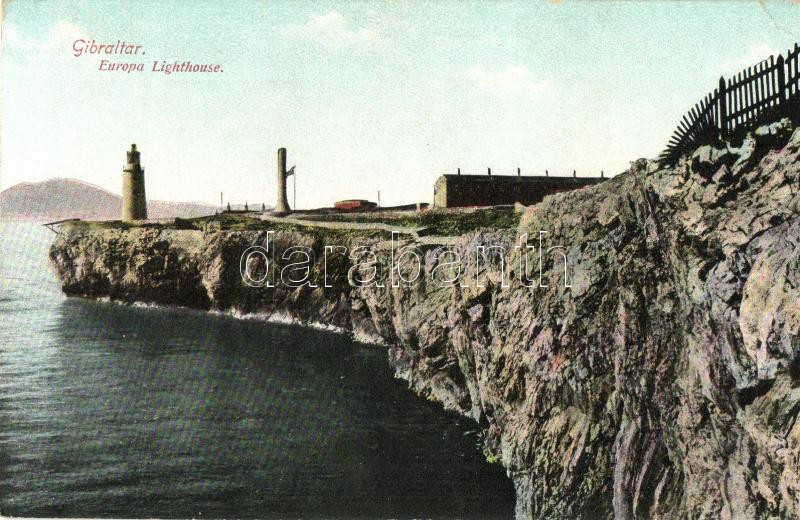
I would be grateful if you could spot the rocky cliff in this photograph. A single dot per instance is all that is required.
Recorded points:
(665, 383)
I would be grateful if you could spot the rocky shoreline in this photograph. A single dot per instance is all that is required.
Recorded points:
(664, 383)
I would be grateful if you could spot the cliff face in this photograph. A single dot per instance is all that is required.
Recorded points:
(664, 383)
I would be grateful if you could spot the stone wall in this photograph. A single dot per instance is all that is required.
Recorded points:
(452, 191)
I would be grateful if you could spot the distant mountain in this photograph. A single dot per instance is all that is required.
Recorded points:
(61, 198)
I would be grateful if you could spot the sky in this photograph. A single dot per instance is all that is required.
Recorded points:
(365, 96)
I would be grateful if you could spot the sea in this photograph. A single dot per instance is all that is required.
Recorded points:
(110, 410)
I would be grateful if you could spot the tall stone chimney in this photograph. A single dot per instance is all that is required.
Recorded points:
(134, 203)
(282, 204)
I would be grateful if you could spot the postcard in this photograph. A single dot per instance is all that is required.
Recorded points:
(383, 259)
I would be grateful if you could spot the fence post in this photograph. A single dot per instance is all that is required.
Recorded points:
(792, 91)
(781, 80)
(723, 108)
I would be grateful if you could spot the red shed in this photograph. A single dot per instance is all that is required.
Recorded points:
(354, 205)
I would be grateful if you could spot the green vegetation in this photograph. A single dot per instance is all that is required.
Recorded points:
(243, 222)
(225, 221)
(440, 222)
(445, 222)
(494, 459)
(112, 224)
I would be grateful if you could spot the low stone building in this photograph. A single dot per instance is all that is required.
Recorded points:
(453, 191)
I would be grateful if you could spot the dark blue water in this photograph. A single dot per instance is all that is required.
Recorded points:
(115, 411)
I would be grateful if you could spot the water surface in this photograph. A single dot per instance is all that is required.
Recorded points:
(110, 410)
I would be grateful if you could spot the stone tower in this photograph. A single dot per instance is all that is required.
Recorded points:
(282, 204)
(134, 204)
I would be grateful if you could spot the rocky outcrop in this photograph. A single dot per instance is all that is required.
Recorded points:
(664, 383)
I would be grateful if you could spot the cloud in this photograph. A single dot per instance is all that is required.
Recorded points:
(512, 80)
(64, 32)
(11, 35)
(26, 58)
(332, 29)
(57, 40)
(756, 53)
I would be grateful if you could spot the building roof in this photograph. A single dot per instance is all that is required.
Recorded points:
(524, 178)
(533, 179)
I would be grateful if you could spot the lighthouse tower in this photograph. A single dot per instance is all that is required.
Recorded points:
(134, 204)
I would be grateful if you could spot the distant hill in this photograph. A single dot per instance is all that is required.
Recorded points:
(61, 198)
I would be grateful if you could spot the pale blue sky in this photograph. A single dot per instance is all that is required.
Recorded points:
(365, 96)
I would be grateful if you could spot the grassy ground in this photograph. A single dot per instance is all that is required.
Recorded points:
(435, 221)
(441, 222)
